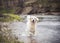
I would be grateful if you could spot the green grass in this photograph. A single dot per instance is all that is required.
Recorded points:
(10, 17)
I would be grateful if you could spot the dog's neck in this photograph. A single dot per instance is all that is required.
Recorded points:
(33, 25)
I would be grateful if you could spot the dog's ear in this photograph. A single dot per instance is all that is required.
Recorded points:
(37, 19)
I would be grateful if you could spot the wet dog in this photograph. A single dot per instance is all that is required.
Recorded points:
(31, 24)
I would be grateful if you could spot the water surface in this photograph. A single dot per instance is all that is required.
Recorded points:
(47, 30)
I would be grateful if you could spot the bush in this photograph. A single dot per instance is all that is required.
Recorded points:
(10, 17)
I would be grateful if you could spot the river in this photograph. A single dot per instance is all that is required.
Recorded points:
(47, 30)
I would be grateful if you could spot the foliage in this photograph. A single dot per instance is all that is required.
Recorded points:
(9, 17)
(6, 10)
(21, 6)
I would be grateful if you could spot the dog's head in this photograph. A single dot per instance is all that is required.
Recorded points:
(32, 19)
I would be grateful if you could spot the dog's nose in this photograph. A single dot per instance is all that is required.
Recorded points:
(33, 21)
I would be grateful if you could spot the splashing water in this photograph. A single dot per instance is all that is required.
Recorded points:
(46, 31)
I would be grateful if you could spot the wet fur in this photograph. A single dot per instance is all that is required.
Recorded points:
(31, 24)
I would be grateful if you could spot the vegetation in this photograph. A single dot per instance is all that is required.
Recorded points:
(4, 10)
(9, 17)
(21, 6)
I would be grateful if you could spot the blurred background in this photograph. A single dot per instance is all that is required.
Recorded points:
(29, 6)
(13, 15)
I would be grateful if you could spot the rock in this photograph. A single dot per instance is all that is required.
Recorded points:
(30, 1)
(26, 10)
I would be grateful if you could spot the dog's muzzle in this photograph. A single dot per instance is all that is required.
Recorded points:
(33, 21)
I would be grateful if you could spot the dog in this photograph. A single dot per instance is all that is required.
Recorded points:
(31, 24)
